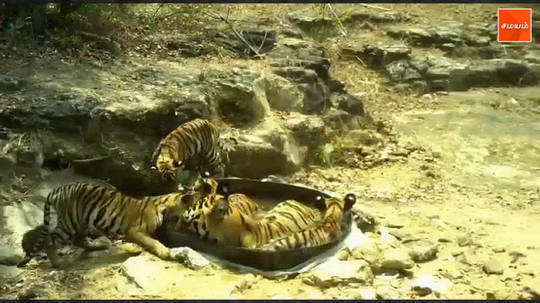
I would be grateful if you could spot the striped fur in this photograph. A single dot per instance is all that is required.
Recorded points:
(233, 221)
(90, 209)
(286, 218)
(329, 230)
(194, 146)
(197, 217)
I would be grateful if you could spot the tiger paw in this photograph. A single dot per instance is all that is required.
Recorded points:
(131, 248)
(164, 253)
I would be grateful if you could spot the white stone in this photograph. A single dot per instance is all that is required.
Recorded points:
(189, 257)
(426, 284)
(335, 272)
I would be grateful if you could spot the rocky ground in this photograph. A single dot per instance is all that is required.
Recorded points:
(422, 114)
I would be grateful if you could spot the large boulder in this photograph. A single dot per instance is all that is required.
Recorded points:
(266, 150)
(240, 96)
(282, 94)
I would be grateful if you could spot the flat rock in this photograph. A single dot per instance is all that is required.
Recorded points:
(308, 130)
(441, 73)
(353, 104)
(364, 220)
(464, 240)
(396, 258)
(190, 257)
(377, 55)
(422, 251)
(387, 292)
(493, 266)
(367, 250)
(358, 293)
(427, 284)
(417, 36)
(304, 21)
(380, 17)
(150, 273)
(335, 272)
(9, 272)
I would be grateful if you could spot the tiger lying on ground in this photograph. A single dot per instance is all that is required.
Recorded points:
(193, 146)
(196, 218)
(88, 209)
(227, 221)
(329, 230)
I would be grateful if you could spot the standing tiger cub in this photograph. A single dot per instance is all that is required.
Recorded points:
(194, 146)
(89, 209)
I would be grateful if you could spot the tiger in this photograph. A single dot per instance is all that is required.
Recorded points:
(194, 146)
(85, 210)
(329, 230)
(227, 221)
(197, 217)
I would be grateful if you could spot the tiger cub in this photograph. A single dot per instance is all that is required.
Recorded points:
(194, 146)
(329, 230)
(197, 217)
(89, 209)
(227, 221)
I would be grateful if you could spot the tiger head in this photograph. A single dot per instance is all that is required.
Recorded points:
(168, 168)
(195, 217)
(206, 186)
(33, 243)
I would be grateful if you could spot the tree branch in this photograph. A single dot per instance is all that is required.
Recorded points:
(239, 36)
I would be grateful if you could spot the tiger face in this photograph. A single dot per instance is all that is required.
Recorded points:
(168, 168)
(195, 217)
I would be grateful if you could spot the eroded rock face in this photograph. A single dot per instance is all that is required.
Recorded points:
(241, 97)
(267, 150)
(377, 56)
(282, 94)
(445, 74)
(111, 134)
(449, 32)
